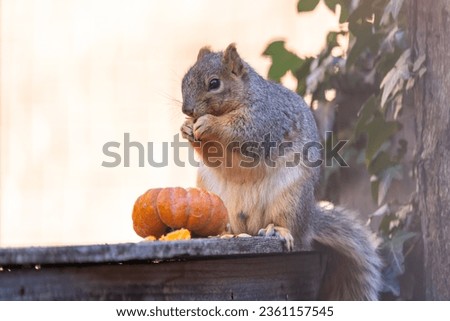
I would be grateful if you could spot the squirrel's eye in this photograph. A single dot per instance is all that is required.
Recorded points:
(214, 84)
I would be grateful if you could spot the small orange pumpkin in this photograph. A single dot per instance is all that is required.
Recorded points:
(194, 209)
(145, 216)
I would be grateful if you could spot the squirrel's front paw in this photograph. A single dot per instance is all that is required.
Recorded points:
(187, 130)
(280, 232)
(203, 126)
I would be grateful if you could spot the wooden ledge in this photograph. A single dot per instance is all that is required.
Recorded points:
(110, 253)
(200, 269)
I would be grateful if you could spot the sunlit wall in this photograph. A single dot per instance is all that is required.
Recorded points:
(81, 73)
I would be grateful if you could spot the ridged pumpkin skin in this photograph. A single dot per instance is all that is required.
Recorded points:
(194, 209)
(145, 216)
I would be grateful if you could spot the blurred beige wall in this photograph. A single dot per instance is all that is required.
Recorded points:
(76, 74)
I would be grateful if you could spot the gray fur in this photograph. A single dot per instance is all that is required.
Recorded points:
(246, 108)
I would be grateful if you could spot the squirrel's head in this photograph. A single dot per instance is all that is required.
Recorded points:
(215, 84)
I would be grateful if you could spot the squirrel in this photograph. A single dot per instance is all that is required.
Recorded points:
(265, 189)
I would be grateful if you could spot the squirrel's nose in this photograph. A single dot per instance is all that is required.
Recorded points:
(188, 109)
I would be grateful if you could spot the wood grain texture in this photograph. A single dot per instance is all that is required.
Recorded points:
(430, 23)
(107, 253)
(201, 269)
(292, 276)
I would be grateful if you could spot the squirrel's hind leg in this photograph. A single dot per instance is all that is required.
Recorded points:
(281, 232)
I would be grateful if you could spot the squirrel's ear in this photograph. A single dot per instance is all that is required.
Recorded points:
(232, 60)
(203, 51)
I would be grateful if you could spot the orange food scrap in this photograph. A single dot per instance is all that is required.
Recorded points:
(181, 234)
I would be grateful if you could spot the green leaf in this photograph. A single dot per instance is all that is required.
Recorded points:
(389, 85)
(374, 183)
(396, 6)
(396, 76)
(422, 71)
(344, 14)
(301, 74)
(392, 9)
(381, 211)
(282, 60)
(419, 62)
(397, 102)
(410, 83)
(393, 253)
(380, 163)
(365, 113)
(384, 227)
(386, 62)
(390, 39)
(358, 18)
(401, 150)
(385, 180)
(316, 80)
(379, 131)
(331, 4)
(404, 211)
(307, 5)
(332, 37)
(345, 10)
(363, 41)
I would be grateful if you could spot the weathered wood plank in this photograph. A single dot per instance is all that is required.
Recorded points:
(206, 247)
(289, 276)
(200, 269)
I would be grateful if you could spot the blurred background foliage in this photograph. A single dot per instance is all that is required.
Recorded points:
(358, 89)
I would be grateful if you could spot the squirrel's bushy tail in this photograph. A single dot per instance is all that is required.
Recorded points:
(353, 269)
